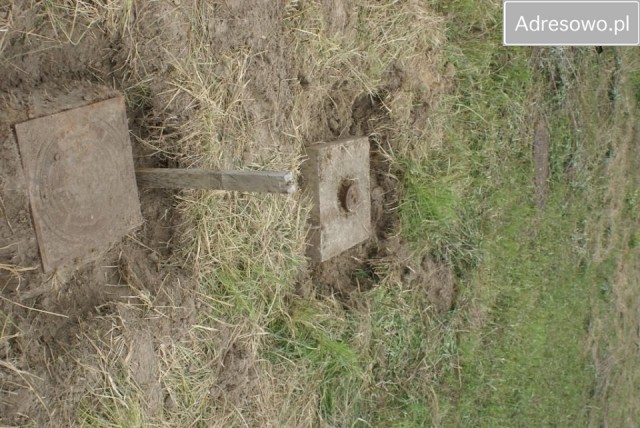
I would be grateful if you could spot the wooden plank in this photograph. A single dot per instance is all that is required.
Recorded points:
(243, 181)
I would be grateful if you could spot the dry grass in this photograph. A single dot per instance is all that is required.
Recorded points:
(15, 271)
(614, 347)
(113, 398)
(382, 43)
(6, 23)
(23, 379)
(613, 339)
(247, 249)
(243, 248)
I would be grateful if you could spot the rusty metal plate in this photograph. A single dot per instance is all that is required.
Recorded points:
(337, 176)
(78, 166)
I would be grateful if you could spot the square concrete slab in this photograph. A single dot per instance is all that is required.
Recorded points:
(78, 166)
(337, 177)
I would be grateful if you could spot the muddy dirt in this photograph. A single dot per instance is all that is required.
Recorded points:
(58, 322)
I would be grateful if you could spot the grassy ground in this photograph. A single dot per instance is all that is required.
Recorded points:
(535, 318)
(545, 327)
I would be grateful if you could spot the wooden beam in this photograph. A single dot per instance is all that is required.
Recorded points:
(243, 181)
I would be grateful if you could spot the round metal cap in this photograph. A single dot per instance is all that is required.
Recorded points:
(349, 196)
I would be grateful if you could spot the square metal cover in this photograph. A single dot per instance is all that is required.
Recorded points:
(337, 176)
(78, 166)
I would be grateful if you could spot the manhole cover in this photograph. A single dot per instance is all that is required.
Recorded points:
(337, 176)
(82, 190)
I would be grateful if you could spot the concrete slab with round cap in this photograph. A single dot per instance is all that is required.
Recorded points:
(336, 175)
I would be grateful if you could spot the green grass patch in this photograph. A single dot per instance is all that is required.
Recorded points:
(433, 213)
(321, 346)
(525, 349)
(530, 355)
